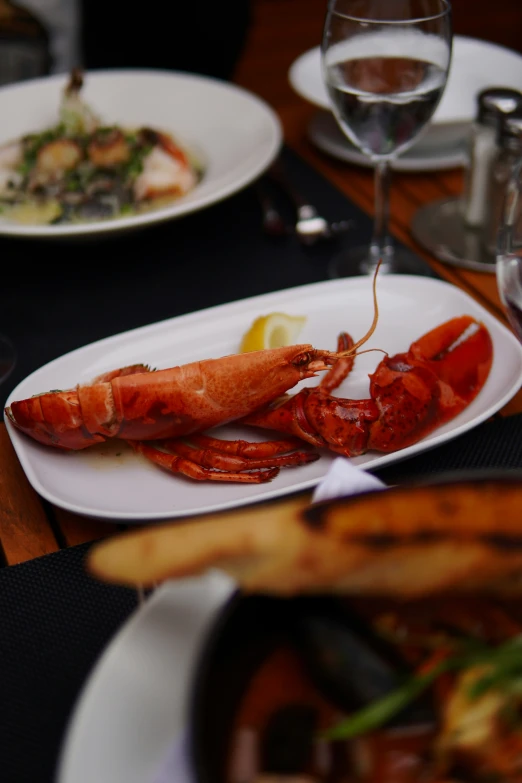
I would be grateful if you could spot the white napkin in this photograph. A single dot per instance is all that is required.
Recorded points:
(342, 478)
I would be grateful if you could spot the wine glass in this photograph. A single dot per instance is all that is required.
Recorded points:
(509, 250)
(385, 65)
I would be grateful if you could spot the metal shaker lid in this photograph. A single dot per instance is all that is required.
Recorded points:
(495, 102)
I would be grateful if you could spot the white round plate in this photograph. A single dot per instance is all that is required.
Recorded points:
(133, 706)
(475, 65)
(234, 133)
(325, 133)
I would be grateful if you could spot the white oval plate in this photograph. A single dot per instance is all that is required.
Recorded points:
(134, 703)
(118, 484)
(235, 133)
(325, 133)
(475, 65)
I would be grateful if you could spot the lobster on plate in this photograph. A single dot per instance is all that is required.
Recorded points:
(164, 414)
(411, 393)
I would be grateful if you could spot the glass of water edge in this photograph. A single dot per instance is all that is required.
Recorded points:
(385, 65)
(509, 251)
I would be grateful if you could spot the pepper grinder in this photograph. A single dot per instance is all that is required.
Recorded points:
(493, 105)
(508, 153)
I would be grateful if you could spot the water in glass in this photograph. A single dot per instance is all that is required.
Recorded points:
(385, 66)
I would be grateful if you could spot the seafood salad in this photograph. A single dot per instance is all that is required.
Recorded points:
(422, 692)
(83, 169)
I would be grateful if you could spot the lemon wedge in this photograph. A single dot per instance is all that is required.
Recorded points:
(272, 331)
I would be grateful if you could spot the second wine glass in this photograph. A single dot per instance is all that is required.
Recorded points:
(385, 65)
(509, 250)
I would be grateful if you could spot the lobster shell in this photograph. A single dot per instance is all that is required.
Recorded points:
(136, 404)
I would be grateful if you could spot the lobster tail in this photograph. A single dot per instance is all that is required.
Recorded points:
(54, 419)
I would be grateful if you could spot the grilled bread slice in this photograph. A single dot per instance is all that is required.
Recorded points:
(451, 536)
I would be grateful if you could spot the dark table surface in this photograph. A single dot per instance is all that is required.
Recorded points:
(58, 296)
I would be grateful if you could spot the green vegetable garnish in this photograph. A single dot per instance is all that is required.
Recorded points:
(380, 712)
(504, 672)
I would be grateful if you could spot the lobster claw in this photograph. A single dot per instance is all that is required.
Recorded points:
(320, 419)
(411, 394)
(461, 362)
(422, 389)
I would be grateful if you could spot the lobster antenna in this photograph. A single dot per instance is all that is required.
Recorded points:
(372, 328)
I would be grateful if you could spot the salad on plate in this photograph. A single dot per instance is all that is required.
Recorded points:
(83, 169)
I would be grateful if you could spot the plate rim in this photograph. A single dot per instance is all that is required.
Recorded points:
(309, 53)
(217, 590)
(402, 163)
(176, 210)
(19, 441)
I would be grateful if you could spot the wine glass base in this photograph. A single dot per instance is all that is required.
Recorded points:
(356, 261)
(7, 358)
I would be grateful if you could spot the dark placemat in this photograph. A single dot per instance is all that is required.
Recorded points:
(495, 444)
(56, 296)
(56, 620)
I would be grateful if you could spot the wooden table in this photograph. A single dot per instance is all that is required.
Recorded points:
(281, 31)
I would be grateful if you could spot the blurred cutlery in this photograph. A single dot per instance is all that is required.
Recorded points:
(273, 222)
(310, 225)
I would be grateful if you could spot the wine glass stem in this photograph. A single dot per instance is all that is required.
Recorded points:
(380, 246)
